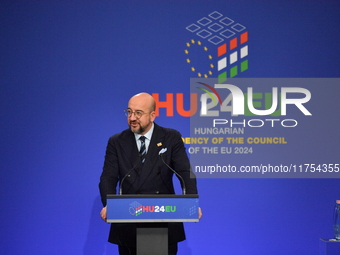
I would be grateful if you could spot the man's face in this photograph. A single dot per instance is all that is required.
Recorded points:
(140, 121)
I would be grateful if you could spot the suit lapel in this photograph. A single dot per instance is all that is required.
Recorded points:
(129, 147)
(152, 155)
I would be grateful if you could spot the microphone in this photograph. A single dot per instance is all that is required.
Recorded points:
(121, 182)
(161, 152)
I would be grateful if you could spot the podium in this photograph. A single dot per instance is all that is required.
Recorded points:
(329, 246)
(149, 209)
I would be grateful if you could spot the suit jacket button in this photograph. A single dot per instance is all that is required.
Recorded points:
(157, 192)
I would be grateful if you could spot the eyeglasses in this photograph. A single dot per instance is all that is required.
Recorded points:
(138, 114)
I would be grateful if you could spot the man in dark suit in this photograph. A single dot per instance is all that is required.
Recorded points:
(151, 176)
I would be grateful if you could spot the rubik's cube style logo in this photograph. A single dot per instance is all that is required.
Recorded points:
(135, 208)
(224, 43)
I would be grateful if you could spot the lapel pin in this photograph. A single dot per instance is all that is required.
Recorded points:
(159, 144)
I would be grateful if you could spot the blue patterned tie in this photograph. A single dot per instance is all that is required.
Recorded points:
(142, 150)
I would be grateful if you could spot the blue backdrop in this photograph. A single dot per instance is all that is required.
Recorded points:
(68, 69)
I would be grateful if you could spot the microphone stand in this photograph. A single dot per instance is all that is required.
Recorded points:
(180, 177)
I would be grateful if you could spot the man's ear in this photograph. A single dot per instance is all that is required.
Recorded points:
(153, 116)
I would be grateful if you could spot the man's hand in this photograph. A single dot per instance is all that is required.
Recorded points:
(103, 214)
(200, 214)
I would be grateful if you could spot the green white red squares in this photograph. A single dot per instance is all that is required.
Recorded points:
(230, 40)
(233, 53)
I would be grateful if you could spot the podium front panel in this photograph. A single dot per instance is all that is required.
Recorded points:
(152, 208)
